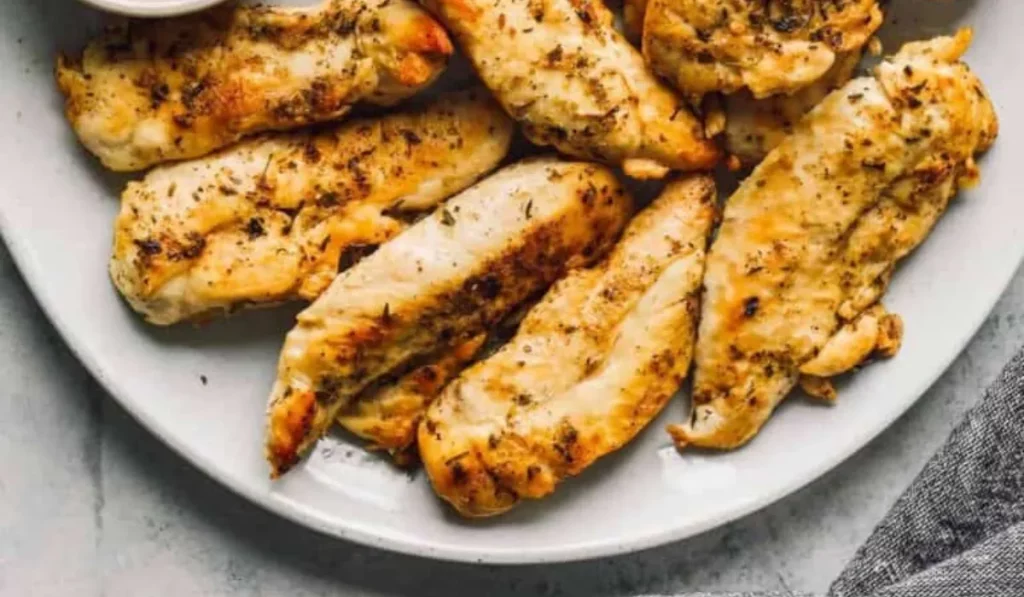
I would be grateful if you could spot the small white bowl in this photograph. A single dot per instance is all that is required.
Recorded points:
(152, 8)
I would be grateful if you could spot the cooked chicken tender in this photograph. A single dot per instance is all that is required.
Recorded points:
(590, 366)
(450, 277)
(561, 69)
(767, 46)
(150, 91)
(275, 218)
(810, 239)
(388, 414)
(753, 127)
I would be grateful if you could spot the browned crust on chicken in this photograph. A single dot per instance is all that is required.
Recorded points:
(769, 47)
(811, 238)
(561, 69)
(276, 217)
(388, 414)
(445, 280)
(148, 91)
(590, 366)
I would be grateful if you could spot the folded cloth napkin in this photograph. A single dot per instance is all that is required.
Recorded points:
(958, 530)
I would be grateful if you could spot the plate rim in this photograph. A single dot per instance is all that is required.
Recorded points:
(353, 532)
(151, 8)
(32, 263)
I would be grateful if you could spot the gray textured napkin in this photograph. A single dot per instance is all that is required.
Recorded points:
(958, 530)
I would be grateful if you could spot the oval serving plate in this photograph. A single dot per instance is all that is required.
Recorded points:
(56, 212)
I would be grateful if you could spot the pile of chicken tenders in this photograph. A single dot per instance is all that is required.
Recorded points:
(507, 323)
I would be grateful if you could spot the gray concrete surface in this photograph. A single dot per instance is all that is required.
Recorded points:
(91, 505)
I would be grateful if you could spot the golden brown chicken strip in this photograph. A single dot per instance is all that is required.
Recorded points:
(562, 70)
(590, 366)
(450, 277)
(275, 217)
(810, 240)
(156, 90)
(767, 46)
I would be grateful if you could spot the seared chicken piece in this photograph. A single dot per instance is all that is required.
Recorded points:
(168, 89)
(753, 127)
(766, 46)
(561, 69)
(448, 278)
(274, 218)
(388, 413)
(591, 365)
(810, 239)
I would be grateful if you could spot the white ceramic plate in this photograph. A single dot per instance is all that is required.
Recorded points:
(152, 8)
(56, 209)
